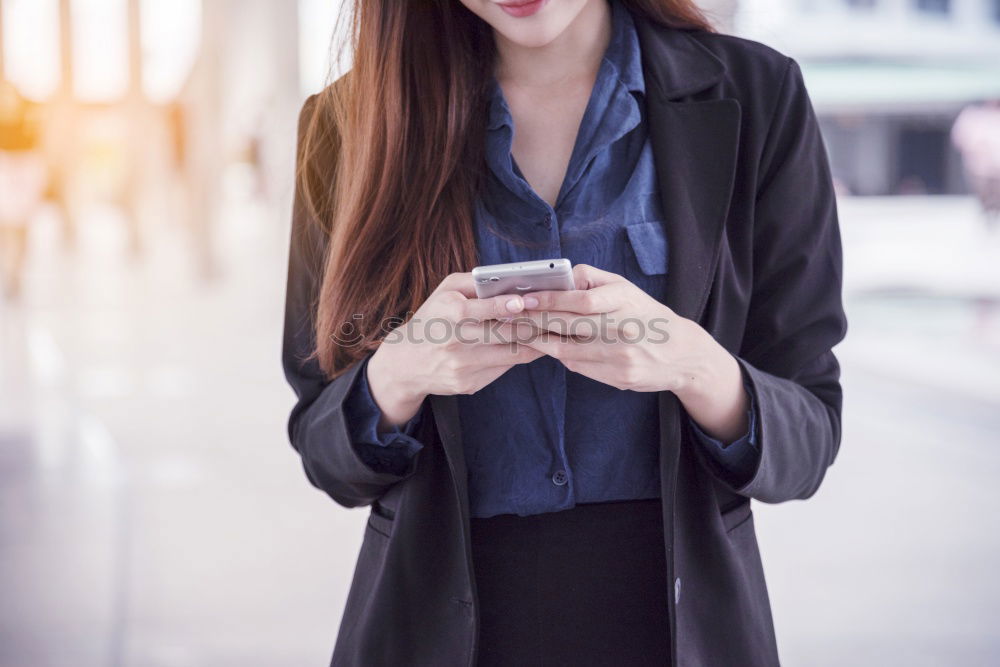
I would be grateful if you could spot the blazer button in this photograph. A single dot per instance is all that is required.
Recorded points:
(677, 590)
(560, 478)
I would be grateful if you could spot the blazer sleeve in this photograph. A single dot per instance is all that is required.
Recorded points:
(317, 426)
(735, 461)
(796, 314)
(391, 450)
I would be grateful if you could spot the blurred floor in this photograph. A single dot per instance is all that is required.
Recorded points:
(152, 512)
(893, 562)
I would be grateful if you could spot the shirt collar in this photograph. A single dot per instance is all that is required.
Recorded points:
(613, 111)
(624, 51)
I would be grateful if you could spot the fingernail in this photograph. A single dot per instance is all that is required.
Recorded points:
(530, 302)
(514, 305)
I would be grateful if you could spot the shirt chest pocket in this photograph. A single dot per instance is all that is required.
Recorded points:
(647, 256)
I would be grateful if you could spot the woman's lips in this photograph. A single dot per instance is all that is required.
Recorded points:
(521, 8)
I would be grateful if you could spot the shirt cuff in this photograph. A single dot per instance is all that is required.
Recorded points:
(738, 459)
(391, 451)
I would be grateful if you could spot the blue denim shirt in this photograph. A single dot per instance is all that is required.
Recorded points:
(541, 438)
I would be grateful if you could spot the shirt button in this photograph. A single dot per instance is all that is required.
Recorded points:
(560, 478)
(546, 220)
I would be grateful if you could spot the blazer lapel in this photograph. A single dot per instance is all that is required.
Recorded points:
(445, 411)
(695, 146)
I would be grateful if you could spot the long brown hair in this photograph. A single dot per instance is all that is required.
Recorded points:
(392, 158)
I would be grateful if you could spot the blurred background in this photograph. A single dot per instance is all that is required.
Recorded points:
(151, 509)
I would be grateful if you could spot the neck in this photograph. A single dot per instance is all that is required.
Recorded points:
(574, 55)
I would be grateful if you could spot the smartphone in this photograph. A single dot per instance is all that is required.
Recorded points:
(523, 277)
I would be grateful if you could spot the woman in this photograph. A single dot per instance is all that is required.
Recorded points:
(562, 499)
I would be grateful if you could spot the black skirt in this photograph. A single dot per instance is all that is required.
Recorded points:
(584, 586)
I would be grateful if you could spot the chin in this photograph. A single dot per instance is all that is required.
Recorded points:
(537, 30)
(530, 37)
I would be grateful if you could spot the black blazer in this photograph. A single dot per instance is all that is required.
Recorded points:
(755, 258)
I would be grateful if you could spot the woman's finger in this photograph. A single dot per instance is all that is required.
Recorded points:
(495, 356)
(598, 371)
(472, 333)
(458, 282)
(493, 308)
(588, 277)
(569, 349)
(607, 327)
(604, 299)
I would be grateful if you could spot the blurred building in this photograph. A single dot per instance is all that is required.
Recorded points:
(887, 78)
(150, 106)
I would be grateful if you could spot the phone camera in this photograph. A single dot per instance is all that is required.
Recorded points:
(552, 265)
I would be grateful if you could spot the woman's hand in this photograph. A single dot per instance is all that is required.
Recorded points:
(612, 331)
(453, 344)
